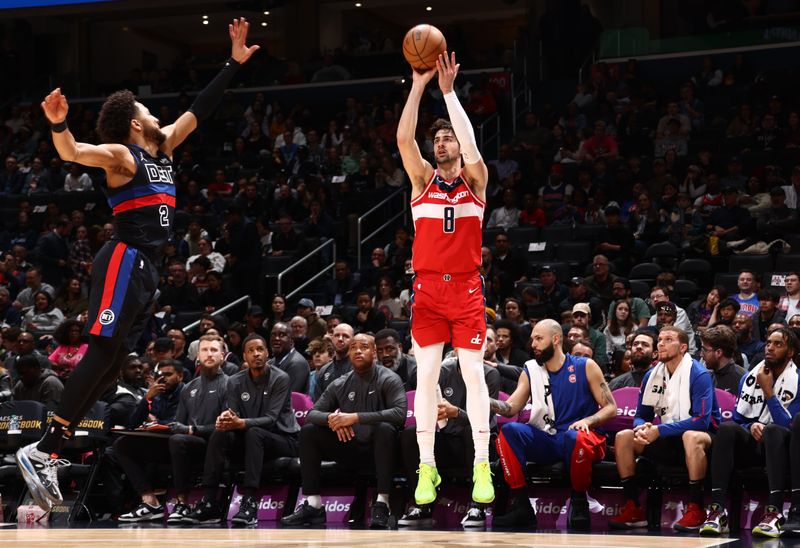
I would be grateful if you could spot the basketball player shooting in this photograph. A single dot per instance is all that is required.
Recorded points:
(136, 155)
(447, 205)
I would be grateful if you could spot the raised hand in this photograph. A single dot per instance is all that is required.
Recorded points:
(55, 107)
(422, 77)
(448, 70)
(240, 51)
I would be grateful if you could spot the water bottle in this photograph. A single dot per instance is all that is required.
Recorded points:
(440, 398)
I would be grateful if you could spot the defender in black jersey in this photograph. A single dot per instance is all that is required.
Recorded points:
(137, 158)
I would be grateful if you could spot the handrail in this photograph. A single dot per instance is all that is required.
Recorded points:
(192, 326)
(318, 274)
(361, 242)
(326, 243)
(496, 135)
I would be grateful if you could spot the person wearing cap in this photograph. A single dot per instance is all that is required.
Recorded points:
(579, 293)
(317, 327)
(621, 289)
(778, 220)
(731, 221)
(734, 177)
(618, 242)
(661, 294)
(556, 193)
(254, 320)
(582, 317)
(552, 293)
(666, 314)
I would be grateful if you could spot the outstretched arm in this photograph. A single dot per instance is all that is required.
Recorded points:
(418, 169)
(515, 401)
(208, 99)
(111, 157)
(474, 166)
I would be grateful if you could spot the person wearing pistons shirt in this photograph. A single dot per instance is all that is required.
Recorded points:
(448, 205)
(136, 156)
(354, 422)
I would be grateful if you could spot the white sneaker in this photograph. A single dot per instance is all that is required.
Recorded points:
(143, 512)
(40, 472)
(476, 517)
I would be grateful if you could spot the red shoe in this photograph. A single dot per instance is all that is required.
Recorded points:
(632, 516)
(692, 519)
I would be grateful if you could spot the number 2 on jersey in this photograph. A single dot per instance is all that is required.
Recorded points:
(449, 219)
(163, 213)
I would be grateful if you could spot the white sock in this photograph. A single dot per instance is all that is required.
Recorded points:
(384, 498)
(471, 362)
(315, 501)
(429, 363)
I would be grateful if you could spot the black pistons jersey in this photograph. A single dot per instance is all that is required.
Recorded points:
(144, 207)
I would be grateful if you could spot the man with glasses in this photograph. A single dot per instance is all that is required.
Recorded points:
(601, 282)
(582, 317)
(621, 290)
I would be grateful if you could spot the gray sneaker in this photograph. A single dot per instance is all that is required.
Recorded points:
(180, 514)
(40, 472)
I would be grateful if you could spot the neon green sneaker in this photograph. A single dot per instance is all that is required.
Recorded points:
(427, 483)
(482, 487)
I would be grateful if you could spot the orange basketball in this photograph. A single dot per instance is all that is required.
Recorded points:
(422, 45)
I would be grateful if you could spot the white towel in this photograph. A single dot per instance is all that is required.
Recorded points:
(543, 416)
(670, 395)
(751, 402)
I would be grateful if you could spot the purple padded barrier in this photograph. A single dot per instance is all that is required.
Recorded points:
(302, 404)
(411, 419)
(727, 403)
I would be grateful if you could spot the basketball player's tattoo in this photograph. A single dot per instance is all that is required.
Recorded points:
(500, 407)
(608, 398)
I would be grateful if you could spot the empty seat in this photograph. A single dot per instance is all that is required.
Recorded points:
(787, 262)
(755, 263)
(664, 253)
(589, 233)
(728, 280)
(640, 288)
(522, 235)
(645, 271)
(557, 233)
(574, 253)
(686, 291)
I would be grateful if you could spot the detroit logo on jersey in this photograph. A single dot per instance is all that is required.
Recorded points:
(158, 174)
(107, 317)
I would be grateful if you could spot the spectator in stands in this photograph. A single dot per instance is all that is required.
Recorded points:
(235, 335)
(724, 313)
(717, 351)
(11, 178)
(72, 346)
(768, 313)
(254, 321)
(532, 135)
(793, 190)
(689, 414)
(532, 213)
(776, 220)
(692, 107)
(600, 145)
(579, 293)
(645, 223)
(601, 282)
(700, 311)
(730, 221)
(566, 435)
(177, 294)
(582, 349)
(582, 317)
(386, 301)
(21, 236)
(135, 454)
(77, 180)
(507, 216)
(197, 275)
(318, 224)
(620, 325)
(552, 292)
(743, 124)
(33, 284)
(758, 436)
(366, 318)
(258, 423)
(377, 267)
(790, 302)
(42, 317)
(673, 113)
(389, 352)
(752, 349)
(25, 345)
(509, 343)
(373, 430)
(618, 242)
(123, 397)
(243, 253)
(53, 252)
(287, 240)
(791, 133)
(37, 179)
(747, 298)
(767, 136)
(643, 354)
(202, 400)
(9, 316)
(506, 166)
(734, 177)
(321, 353)
(80, 255)
(343, 288)
(660, 295)
(206, 249)
(399, 250)
(299, 327)
(251, 202)
(556, 193)
(286, 357)
(37, 383)
(278, 312)
(215, 296)
(190, 245)
(317, 327)
(507, 260)
(639, 312)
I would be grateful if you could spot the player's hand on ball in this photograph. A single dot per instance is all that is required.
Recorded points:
(240, 51)
(422, 78)
(55, 107)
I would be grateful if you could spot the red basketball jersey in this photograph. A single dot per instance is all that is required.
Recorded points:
(448, 218)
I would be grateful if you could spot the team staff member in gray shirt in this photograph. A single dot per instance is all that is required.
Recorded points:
(202, 401)
(258, 423)
(287, 358)
(453, 442)
(389, 348)
(342, 337)
(355, 421)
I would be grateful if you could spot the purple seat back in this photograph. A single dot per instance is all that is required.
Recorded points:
(626, 399)
(302, 404)
(411, 419)
(726, 402)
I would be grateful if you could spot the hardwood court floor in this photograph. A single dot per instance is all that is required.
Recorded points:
(212, 538)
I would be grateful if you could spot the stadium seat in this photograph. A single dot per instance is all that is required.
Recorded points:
(645, 271)
(756, 263)
(728, 280)
(489, 235)
(787, 262)
(589, 233)
(686, 291)
(640, 288)
(574, 254)
(664, 254)
(521, 236)
(698, 270)
(556, 233)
